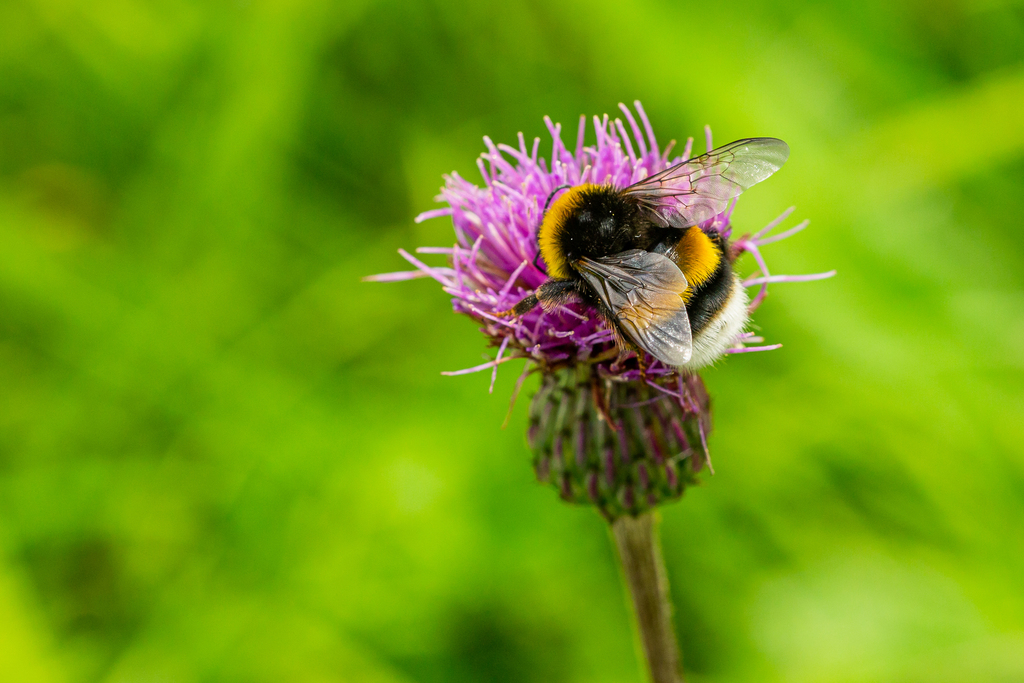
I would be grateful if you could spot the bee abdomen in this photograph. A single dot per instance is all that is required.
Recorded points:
(717, 317)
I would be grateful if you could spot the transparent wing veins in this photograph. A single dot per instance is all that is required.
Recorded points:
(643, 291)
(699, 189)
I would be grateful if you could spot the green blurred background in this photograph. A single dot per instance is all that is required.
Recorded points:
(223, 458)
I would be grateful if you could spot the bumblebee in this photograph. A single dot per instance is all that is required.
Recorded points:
(638, 256)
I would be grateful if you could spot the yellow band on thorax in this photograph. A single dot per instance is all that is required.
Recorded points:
(549, 234)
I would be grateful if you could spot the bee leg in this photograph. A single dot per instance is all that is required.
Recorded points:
(641, 360)
(556, 292)
(549, 295)
(524, 306)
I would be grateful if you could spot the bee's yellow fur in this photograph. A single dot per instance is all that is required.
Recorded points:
(551, 230)
(698, 257)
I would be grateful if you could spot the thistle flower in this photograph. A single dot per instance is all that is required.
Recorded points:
(606, 428)
(600, 433)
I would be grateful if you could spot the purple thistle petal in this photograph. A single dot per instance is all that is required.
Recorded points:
(647, 127)
(704, 445)
(574, 314)
(773, 224)
(556, 139)
(435, 273)
(580, 135)
(782, 235)
(788, 278)
(687, 150)
(395, 277)
(625, 139)
(663, 389)
(483, 171)
(637, 135)
(512, 278)
(751, 349)
(477, 368)
(435, 213)
(497, 361)
(750, 247)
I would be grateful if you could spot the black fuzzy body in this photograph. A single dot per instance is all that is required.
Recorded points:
(604, 222)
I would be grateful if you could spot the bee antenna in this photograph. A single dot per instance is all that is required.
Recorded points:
(552, 195)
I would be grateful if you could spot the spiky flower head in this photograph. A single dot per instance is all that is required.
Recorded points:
(600, 432)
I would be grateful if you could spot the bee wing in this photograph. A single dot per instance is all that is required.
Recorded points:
(699, 189)
(643, 290)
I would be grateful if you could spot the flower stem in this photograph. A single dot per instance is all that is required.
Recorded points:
(644, 568)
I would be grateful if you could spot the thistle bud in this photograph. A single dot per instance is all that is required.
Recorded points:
(622, 446)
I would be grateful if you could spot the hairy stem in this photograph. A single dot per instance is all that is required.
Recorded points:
(644, 568)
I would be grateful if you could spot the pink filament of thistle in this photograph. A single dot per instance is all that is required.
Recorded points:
(774, 223)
